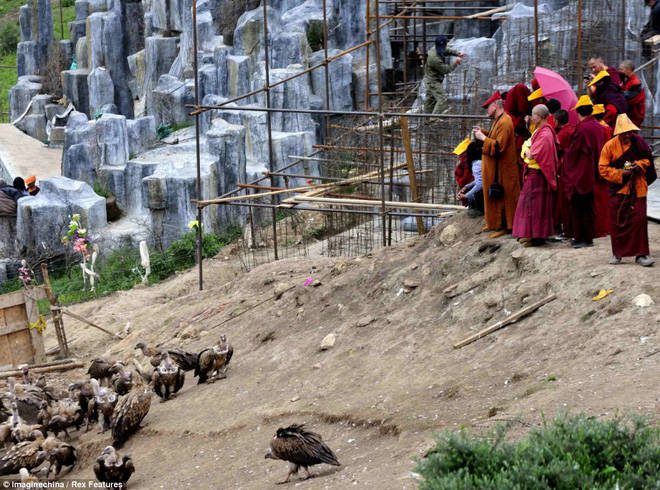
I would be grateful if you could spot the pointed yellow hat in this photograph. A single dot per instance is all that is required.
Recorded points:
(601, 74)
(537, 94)
(584, 100)
(598, 109)
(624, 124)
(462, 147)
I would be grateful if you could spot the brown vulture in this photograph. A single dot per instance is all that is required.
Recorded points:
(110, 468)
(185, 360)
(168, 377)
(59, 454)
(212, 363)
(27, 454)
(300, 448)
(82, 392)
(130, 411)
(122, 380)
(101, 369)
(101, 407)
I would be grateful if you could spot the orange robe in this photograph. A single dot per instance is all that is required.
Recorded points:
(500, 150)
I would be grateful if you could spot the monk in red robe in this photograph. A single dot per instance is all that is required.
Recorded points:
(633, 92)
(623, 163)
(601, 187)
(580, 174)
(499, 166)
(565, 130)
(517, 106)
(534, 220)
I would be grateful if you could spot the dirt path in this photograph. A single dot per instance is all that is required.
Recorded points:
(22, 155)
(392, 379)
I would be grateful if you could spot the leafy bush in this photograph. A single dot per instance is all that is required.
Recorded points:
(68, 3)
(567, 453)
(9, 36)
(315, 35)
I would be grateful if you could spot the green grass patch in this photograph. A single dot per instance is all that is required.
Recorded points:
(121, 269)
(68, 15)
(570, 452)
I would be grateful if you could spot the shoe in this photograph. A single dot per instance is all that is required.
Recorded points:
(497, 234)
(645, 261)
(582, 244)
(615, 260)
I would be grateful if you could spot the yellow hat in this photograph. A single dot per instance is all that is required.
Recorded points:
(624, 124)
(462, 147)
(584, 100)
(598, 109)
(601, 74)
(537, 94)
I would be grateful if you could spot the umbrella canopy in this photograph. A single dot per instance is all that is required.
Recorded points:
(554, 86)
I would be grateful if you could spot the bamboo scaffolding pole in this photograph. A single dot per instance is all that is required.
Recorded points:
(70, 313)
(411, 170)
(510, 319)
(375, 203)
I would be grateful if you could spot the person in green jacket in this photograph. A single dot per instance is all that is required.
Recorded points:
(437, 66)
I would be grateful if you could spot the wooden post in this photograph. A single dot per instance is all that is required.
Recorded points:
(411, 169)
(56, 314)
(66, 311)
(510, 319)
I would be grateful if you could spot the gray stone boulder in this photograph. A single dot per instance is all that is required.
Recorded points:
(248, 36)
(27, 62)
(286, 145)
(340, 74)
(21, 94)
(75, 88)
(170, 99)
(43, 219)
(112, 140)
(478, 69)
(101, 90)
(238, 77)
(141, 135)
(206, 118)
(289, 47)
(159, 54)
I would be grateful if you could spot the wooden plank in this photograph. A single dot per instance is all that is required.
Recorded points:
(63, 365)
(15, 316)
(66, 311)
(18, 327)
(12, 299)
(502, 323)
(20, 344)
(375, 203)
(58, 323)
(411, 169)
(32, 311)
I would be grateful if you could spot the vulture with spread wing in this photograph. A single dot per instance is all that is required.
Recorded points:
(27, 454)
(185, 360)
(168, 377)
(129, 412)
(300, 447)
(110, 468)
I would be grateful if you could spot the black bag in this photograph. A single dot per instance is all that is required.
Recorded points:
(496, 190)
(651, 173)
(645, 151)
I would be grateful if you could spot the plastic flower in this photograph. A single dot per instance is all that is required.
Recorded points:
(308, 281)
(194, 224)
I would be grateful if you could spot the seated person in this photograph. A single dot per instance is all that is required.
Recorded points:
(471, 194)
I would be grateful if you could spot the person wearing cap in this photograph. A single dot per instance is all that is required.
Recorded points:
(31, 185)
(436, 68)
(499, 164)
(579, 175)
(599, 113)
(633, 92)
(623, 163)
(471, 194)
(603, 91)
(534, 217)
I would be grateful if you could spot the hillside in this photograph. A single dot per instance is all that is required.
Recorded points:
(392, 379)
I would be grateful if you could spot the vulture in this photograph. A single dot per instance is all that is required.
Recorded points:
(27, 454)
(168, 378)
(110, 468)
(300, 447)
(4, 412)
(129, 412)
(19, 430)
(101, 406)
(122, 380)
(59, 454)
(185, 360)
(83, 393)
(144, 373)
(27, 398)
(101, 369)
(213, 362)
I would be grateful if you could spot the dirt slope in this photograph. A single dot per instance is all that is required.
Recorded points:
(392, 378)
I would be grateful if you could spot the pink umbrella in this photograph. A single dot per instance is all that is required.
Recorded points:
(554, 86)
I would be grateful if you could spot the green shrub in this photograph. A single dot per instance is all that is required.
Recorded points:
(576, 452)
(68, 3)
(9, 36)
(315, 35)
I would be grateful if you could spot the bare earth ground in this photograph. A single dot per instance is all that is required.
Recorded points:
(392, 379)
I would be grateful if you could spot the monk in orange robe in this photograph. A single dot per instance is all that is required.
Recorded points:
(499, 165)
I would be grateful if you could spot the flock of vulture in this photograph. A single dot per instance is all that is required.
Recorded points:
(117, 399)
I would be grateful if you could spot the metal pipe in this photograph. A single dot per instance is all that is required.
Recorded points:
(367, 61)
(326, 69)
(269, 124)
(381, 142)
(198, 184)
(578, 61)
(536, 32)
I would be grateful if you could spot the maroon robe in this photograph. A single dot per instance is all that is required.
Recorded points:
(564, 137)
(535, 209)
(579, 178)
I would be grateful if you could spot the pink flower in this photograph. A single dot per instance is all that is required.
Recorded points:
(308, 281)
